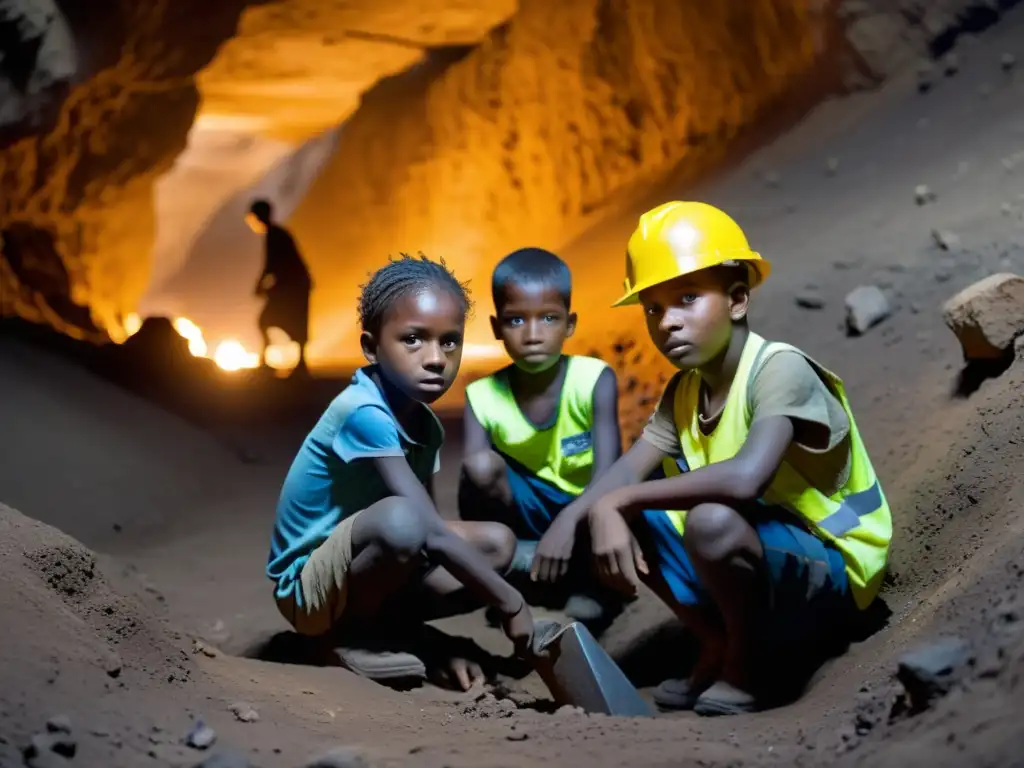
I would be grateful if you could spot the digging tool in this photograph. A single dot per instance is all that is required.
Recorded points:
(579, 672)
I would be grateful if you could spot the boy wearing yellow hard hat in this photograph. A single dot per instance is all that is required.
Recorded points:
(782, 531)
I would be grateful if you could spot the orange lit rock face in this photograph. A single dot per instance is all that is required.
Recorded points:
(513, 123)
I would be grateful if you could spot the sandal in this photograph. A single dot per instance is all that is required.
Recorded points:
(675, 695)
(722, 699)
(382, 665)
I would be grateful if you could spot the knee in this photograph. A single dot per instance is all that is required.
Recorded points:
(484, 470)
(402, 529)
(714, 532)
(498, 544)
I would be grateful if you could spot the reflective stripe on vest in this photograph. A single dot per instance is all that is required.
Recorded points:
(856, 518)
(561, 454)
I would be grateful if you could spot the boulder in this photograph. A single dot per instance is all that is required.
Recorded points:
(987, 316)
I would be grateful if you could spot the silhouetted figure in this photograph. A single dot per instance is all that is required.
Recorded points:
(285, 282)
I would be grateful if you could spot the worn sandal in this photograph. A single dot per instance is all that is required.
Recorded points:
(676, 695)
(722, 699)
(382, 665)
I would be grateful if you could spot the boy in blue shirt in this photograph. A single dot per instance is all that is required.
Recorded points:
(538, 431)
(359, 555)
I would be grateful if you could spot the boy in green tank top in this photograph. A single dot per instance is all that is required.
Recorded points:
(785, 535)
(538, 431)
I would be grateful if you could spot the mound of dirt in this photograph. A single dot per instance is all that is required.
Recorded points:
(74, 632)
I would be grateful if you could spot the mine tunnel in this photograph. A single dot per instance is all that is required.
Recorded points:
(156, 159)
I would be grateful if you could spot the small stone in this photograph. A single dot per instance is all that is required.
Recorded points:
(568, 710)
(200, 647)
(987, 316)
(866, 306)
(772, 179)
(945, 239)
(1006, 209)
(923, 194)
(518, 736)
(950, 64)
(201, 736)
(344, 757)
(985, 90)
(244, 712)
(809, 300)
(61, 744)
(832, 166)
(930, 671)
(59, 724)
(117, 528)
(225, 760)
(1007, 61)
(925, 76)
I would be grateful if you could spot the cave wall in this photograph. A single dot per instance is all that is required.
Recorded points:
(506, 123)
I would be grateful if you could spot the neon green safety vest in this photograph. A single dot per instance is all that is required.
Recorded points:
(855, 518)
(562, 454)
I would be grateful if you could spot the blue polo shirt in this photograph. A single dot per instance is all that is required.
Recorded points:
(333, 476)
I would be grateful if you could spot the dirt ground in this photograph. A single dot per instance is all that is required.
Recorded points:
(181, 515)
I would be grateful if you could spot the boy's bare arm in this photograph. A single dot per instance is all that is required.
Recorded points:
(606, 433)
(551, 562)
(735, 482)
(461, 559)
(474, 436)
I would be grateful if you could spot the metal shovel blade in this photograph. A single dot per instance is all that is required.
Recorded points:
(579, 672)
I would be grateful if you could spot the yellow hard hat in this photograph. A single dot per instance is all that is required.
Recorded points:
(678, 238)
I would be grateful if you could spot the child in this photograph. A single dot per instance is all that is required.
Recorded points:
(537, 431)
(787, 531)
(359, 555)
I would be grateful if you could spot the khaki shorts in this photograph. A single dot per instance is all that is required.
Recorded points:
(324, 583)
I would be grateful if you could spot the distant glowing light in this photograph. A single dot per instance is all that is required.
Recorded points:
(232, 356)
(132, 323)
(193, 334)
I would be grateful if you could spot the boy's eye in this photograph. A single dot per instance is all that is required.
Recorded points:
(411, 340)
(652, 310)
(550, 318)
(515, 321)
(689, 298)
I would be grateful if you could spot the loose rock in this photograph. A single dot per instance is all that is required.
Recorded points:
(225, 760)
(866, 306)
(201, 736)
(832, 166)
(945, 239)
(244, 712)
(987, 316)
(59, 724)
(809, 300)
(344, 757)
(950, 64)
(1007, 61)
(930, 671)
(925, 76)
(923, 194)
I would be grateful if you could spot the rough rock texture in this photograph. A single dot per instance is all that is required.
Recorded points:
(987, 316)
(509, 113)
(37, 61)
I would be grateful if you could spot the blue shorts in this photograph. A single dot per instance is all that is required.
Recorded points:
(809, 585)
(535, 502)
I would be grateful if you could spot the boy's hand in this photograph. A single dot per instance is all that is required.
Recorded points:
(551, 560)
(519, 629)
(616, 551)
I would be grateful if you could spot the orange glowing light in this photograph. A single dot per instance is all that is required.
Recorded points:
(232, 356)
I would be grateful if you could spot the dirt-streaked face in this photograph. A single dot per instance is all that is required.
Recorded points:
(690, 319)
(419, 345)
(533, 324)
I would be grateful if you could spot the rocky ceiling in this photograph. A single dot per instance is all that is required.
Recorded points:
(133, 134)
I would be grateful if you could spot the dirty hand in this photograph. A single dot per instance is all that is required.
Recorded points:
(462, 674)
(551, 560)
(616, 551)
(518, 628)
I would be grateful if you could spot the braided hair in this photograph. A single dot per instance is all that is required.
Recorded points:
(400, 277)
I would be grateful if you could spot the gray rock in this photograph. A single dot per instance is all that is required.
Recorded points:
(809, 300)
(244, 712)
(201, 736)
(225, 760)
(832, 166)
(946, 240)
(929, 672)
(1007, 61)
(923, 194)
(343, 757)
(59, 724)
(866, 306)
(950, 64)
